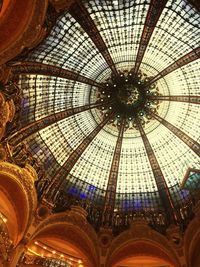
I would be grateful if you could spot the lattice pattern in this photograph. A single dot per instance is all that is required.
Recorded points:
(115, 39)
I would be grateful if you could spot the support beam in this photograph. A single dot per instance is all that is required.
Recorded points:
(28, 67)
(194, 145)
(109, 203)
(163, 189)
(184, 60)
(82, 16)
(155, 9)
(195, 3)
(38, 125)
(193, 99)
(65, 169)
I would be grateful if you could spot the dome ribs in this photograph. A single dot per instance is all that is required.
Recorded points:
(155, 10)
(163, 189)
(191, 143)
(65, 169)
(28, 67)
(82, 16)
(193, 99)
(38, 125)
(184, 60)
(109, 203)
(93, 141)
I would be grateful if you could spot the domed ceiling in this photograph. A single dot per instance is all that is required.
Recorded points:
(115, 92)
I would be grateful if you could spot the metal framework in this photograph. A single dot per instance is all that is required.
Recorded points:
(187, 175)
(112, 181)
(193, 99)
(194, 145)
(158, 175)
(155, 9)
(38, 125)
(28, 67)
(65, 169)
(82, 16)
(195, 3)
(186, 59)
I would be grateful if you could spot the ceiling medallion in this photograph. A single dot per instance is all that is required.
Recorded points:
(129, 97)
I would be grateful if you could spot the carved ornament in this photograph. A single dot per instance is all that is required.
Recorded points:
(7, 111)
(25, 178)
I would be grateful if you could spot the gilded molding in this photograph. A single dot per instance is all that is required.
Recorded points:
(140, 231)
(7, 111)
(25, 178)
(75, 221)
(28, 32)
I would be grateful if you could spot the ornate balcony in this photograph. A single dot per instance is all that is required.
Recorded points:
(5, 242)
(44, 261)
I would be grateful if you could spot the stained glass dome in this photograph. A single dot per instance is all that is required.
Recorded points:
(111, 101)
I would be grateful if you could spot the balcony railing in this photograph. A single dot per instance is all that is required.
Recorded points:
(5, 242)
(45, 261)
(121, 218)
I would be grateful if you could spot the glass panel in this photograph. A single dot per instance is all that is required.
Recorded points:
(120, 23)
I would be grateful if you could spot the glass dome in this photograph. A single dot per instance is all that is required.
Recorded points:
(75, 126)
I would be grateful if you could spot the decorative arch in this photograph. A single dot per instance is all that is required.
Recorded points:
(18, 198)
(138, 249)
(70, 228)
(141, 241)
(192, 240)
(21, 26)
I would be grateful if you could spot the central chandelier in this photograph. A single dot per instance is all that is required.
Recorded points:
(129, 97)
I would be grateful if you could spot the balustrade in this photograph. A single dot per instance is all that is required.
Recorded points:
(121, 218)
(46, 261)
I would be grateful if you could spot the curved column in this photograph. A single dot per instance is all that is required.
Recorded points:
(16, 253)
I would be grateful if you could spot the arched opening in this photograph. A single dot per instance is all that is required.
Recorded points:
(54, 249)
(142, 253)
(14, 206)
(143, 261)
(63, 241)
